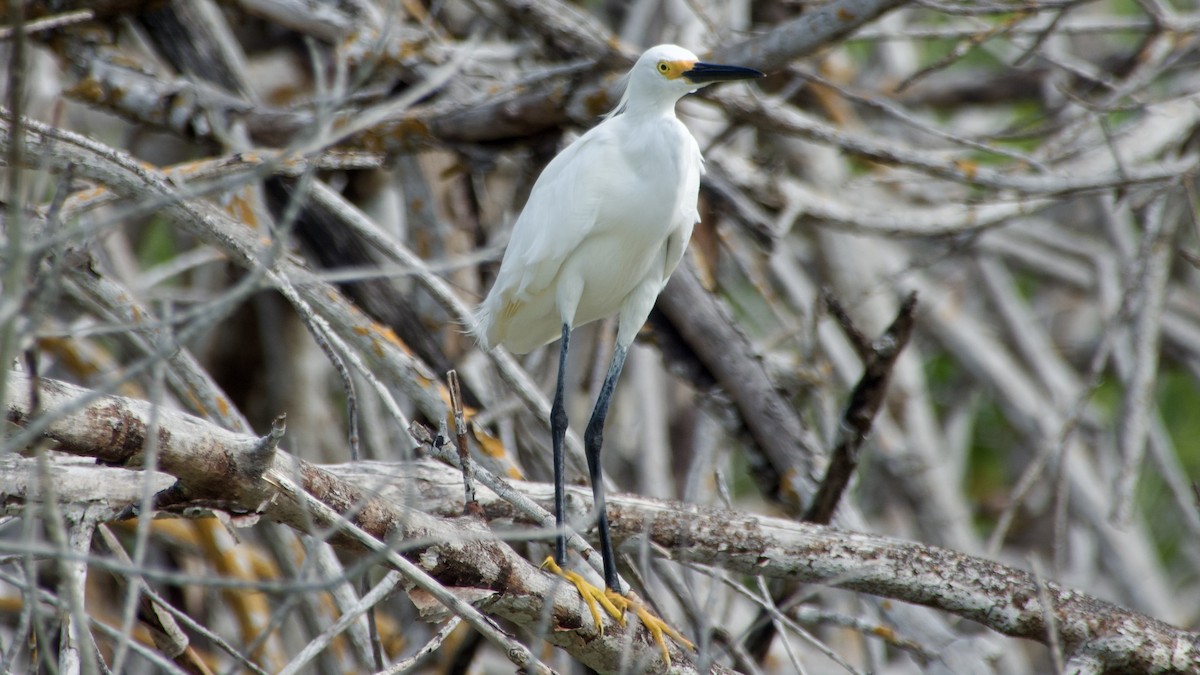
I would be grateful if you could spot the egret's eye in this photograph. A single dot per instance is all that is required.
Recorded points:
(663, 67)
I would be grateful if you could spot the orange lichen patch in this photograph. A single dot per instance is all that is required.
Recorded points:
(390, 335)
(214, 165)
(415, 9)
(884, 632)
(87, 199)
(397, 134)
(835, 105)
(490, 445)
(123, 59)
(241, 209)
(493, 447)
(380, 334)
(188, 168)
(846, 15)
(405, 50)
(197, 404)
(88, 195)
(88, 90)
(365, 332)
(410, 49)
(362, 45)
(253, 158)
(968, 168)
(69, 355)
(289, 162)
(371, 141)
(223, 406)
(787, 487)
(286, 95)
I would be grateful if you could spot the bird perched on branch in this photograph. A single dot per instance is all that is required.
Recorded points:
(605, 225)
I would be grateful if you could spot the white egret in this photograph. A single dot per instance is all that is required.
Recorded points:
(605, 225)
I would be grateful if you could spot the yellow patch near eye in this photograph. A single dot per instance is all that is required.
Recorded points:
(674, 69)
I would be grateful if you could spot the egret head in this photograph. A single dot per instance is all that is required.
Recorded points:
(666, 73)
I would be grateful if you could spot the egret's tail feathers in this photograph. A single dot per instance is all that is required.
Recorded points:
(470, 326)
(482, 324)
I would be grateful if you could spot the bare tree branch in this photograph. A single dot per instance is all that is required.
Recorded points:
(249, 207)
(212, 464)
(218, 469)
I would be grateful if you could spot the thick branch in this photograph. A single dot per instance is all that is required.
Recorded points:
(523, 111)
(1002, 598)
(815, 28)
(467, 559)
(783, 451)
(214, 466)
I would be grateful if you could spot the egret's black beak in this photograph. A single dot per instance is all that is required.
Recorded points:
(703, 73)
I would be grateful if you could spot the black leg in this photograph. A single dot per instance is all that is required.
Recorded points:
(558, 431)
(592, 440)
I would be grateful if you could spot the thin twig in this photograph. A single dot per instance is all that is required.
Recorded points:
(470, 504)
(865, 401)
(515, 651)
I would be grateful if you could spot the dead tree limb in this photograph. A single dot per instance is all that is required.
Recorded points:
(215, 465)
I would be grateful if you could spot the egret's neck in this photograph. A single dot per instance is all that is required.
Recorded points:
(645, 98)
(649, 107)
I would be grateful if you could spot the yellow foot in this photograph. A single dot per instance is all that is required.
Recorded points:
(657, 627)
(617, 605)
(593, 597)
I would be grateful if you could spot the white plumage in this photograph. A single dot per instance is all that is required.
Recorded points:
(606, 223)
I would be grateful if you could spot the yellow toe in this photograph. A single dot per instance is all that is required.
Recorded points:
(659, 629)
(592, 596)
(617, 606)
